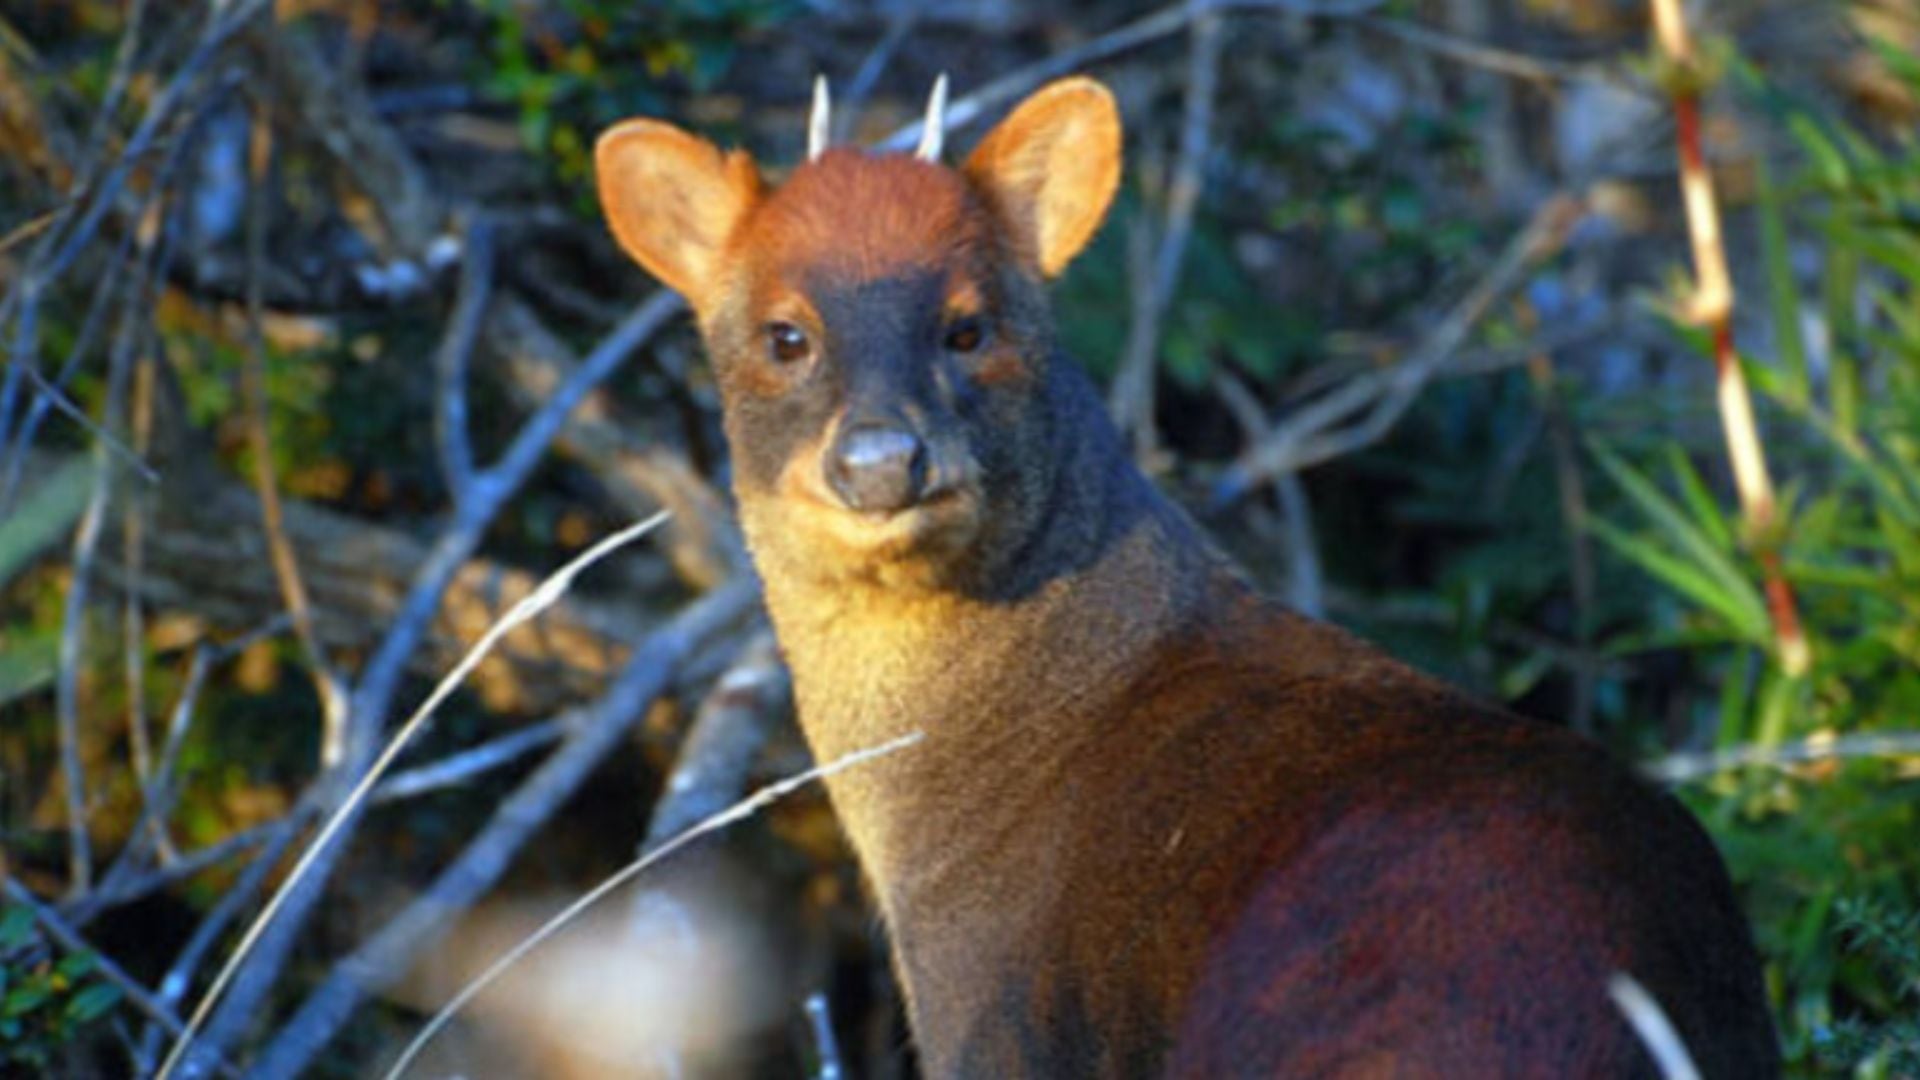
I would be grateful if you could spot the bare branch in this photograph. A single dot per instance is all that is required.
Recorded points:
(820, 1022)
(356, 572)
(327, 685)
(64, 405)
(1684, 767)
(117, 80)
(456, 769)
(899, 27)
(456, 349)
(73, 629)
(386, 955)
(178, 981)
(178, 868)
(222, 24)
(1132, 402)
(726, 737)
(702, 540)
(349, 806)
(15, 458)
(1487, 57)
(1141, 32)
(158, 791)
(1306, 584)
(133, 625)
(739, 811)
(67, 691)
(1313, 435)
(69, 938)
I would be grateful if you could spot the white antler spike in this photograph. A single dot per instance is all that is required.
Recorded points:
(933, 134)
(818, 123)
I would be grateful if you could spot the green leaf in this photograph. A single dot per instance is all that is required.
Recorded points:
(29, 660)
(1889, 481)
(26, 997)
(75, 966)
(93, 1002)
(1900, 62)
(1748, 619)
(1828, 160)
(1708, 572)
(1522, 677)
(1734, 701)
(46, 513)
(1842, 287)
(1783, 295)
(16, 927)
(1896, 251)
(1778, 696)
(1705, 508)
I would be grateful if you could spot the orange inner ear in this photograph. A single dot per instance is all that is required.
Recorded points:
(672, 200)
(1052, 167)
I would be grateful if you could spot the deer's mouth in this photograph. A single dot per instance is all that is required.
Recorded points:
(803, 523)
(941, 522)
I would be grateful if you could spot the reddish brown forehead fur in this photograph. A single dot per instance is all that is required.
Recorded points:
(864, 217)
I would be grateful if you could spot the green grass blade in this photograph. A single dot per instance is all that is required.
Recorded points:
(1733, 593)
(1783, 296)
(1740, 609)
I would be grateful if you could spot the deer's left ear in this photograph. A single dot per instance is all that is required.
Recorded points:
(672, 200)
(1051, 168)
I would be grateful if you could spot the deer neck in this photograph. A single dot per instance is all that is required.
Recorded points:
(1004, 685)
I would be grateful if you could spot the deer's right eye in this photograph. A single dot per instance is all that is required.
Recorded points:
(787, 343)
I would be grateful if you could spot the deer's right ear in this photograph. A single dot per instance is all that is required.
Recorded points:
(672, 200)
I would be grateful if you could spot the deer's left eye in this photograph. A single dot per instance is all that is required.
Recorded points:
(965, 335)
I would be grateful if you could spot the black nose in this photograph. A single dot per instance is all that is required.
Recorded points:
(878, 468)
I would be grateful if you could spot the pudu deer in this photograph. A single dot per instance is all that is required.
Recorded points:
(1158, 824)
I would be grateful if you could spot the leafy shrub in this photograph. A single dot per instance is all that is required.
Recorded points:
(1824, 850)
(46, 1002)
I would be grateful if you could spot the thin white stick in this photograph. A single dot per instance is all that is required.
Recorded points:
(1651, 1024)
(820, 124)
(933, 132)
(528, 607)
(739, 811)
(1678, 768)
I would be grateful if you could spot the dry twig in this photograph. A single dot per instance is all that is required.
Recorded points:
(327, 685)
(1315, 433)
(388, 953)
(1712, 306)
(70, 939)
(1143, 31)
(363, 781)
(739, 811)
(1132, 401)
(1684, 767)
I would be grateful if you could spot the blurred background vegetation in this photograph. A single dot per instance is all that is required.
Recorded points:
(1394, 299)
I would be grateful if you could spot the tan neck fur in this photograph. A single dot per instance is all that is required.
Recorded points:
(998, 689)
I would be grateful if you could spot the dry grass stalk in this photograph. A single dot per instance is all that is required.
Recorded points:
(542, 598)
(739, 811)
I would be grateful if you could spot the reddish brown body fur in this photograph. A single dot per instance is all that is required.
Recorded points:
(1157, 824)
